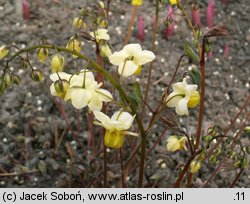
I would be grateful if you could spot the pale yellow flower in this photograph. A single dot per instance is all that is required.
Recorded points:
(116, 127)
(85, 91)
(100, 34)
(174, 143)
(183, 96)
(130, 58)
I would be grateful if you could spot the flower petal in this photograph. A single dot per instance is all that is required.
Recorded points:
(144, 57)
(101, 116)
(127, 70)
(53, 90)
(118, 57)
(124, 118)
(95, 103)
(172, 99)
(104, 95)
(80, 97)
(132, 49)
(190, 89)
(180, 86)
(63, 75)
(182, 107)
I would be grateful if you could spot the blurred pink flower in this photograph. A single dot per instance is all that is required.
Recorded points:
(226, 51)
(140, 29)
(169, 31)
(210, 13)
(196, 16)
(26, 12)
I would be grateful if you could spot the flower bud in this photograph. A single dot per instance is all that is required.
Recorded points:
(74, 44)
(42, 54)
(2, 86)
(210, 13)
(195, 166)
(213, 159)
(136, 2)
(36, 75)
(169, 23)
(196, 16)
(78, 23)
(207, 138)
(114, 139)
(16, 79)
(8, 79)
(233, 155)
(194, 99)
(61, 87)
(105, 51)
(4, 51)
(140, 29)
(242, 163)
(101, 4)
(57, 63)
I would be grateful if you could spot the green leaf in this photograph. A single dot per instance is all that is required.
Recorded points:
(136, 95)
(191, 53)
(195, 75)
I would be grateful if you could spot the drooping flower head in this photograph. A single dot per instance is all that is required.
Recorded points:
(115, 126)
(174, 143)
(74, 44)
(183, 97)
(130, 58)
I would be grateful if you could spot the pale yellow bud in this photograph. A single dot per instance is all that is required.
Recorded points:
(194, 99)
(78, 23)
(61, 87)
(57, 63)
(101, 4)
(74, 44)
(36, 75)
(4, 51)
(42, 54)
(195, 166)
(105, 51)
(136, 2)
